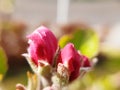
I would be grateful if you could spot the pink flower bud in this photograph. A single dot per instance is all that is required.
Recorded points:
(42, 45)
(86, 62)
(71, 59)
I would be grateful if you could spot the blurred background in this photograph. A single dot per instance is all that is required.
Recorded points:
(93, 24)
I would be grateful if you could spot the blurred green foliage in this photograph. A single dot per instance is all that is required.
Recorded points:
(9, 82)
(3, 63)
(86, 41)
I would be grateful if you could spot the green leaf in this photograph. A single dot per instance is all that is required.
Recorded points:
(86, 41)
(63, 40)
(3, 63)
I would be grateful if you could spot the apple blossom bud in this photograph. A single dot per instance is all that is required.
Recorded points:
(71, 59)
(85, 62)
(42, 45)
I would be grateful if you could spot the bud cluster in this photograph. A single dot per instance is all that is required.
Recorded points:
(53, 67)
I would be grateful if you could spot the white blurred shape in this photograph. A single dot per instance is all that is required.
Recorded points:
(62, 11)
(113, 38)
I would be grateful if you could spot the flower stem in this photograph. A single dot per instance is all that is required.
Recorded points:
(56, 57)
